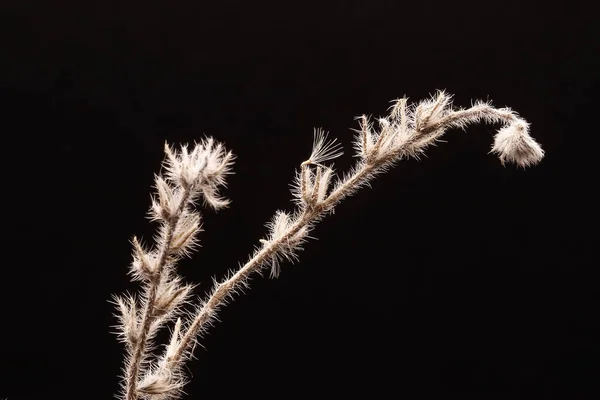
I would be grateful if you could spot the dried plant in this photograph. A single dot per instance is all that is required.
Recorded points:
(198, 173)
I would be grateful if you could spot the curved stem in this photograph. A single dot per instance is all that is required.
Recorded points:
(225, 289)
(371, 164)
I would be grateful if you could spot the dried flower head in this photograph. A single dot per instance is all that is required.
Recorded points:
(200, 171)
(514, 144)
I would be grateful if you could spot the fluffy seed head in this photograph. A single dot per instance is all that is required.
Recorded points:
(514, 144)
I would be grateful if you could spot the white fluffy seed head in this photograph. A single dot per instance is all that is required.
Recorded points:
(514, 144)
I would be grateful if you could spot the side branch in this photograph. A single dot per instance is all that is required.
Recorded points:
(403, 134)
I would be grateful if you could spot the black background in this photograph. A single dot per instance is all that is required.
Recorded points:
(451, 276)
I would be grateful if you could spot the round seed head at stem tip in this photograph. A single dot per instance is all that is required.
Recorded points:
(514, 144)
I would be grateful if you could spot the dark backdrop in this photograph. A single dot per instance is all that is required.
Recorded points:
(451, 276)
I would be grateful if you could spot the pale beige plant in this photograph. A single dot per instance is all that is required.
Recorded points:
(199, 172)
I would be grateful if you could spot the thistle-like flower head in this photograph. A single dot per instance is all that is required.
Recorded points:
(514, 144)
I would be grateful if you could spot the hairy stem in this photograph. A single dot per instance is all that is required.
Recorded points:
(310, 215)
(225, 289)
(148, 314)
